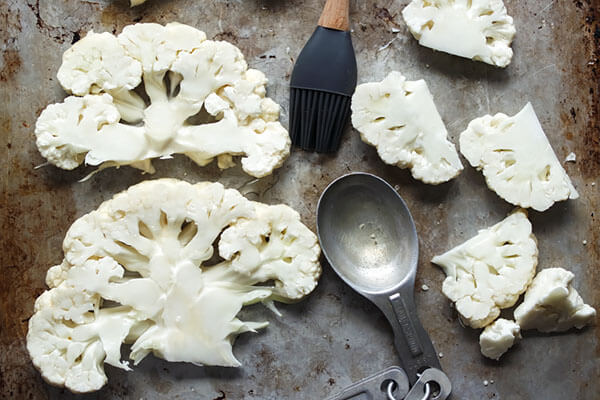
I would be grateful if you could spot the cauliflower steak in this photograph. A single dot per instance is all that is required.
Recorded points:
(400, 119)
(154, 91)
(489, 271)
(477, 29)
(516, 159)
(142, 271)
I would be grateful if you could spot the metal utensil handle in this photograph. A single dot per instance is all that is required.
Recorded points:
(412, 342)
(422, 387)
(374, 387)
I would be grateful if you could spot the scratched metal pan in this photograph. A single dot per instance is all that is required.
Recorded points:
(335, 336)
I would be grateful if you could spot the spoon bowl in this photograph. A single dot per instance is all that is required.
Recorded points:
(369, 238)
(367, 233)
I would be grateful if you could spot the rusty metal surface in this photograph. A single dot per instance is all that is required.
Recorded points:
(334, 337)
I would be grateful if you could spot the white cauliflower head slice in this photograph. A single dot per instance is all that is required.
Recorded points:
(399, 117)
(477, 29)
(168, 90)
(140, 269)
(516, 159)
(498, 337)
(551, 304)
(489, 271)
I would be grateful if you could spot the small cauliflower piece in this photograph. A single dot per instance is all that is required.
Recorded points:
(201, 100)
(517, 160)
(141, 269)
(477, 29)
(551, 304)
(498, 337)
(489, 271)
(399, 118)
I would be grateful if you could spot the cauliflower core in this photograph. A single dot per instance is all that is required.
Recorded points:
(399, 118)
(498, 337)
(476, 29)
(141, 269)
(489, 271)
(158, 90)
(551, 304)
(517, 160)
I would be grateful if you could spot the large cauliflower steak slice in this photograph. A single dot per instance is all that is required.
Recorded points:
(141, 269)
(477, 29)
(489, 271)
(516, 159)
(400, 119)
(154, 91)
(551, 304)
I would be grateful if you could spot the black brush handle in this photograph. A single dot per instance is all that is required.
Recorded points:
(326, 63)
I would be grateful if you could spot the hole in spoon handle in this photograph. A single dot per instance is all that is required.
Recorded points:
(412, 342)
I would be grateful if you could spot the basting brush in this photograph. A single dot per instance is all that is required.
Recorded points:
(323, 81)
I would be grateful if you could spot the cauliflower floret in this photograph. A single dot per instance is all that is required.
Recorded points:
(498, 337)
(156, 46)
(551, 304)
(274, 246)
(503, 147)
(144, 253)
(183, 75)
(476, 29)
(70, 337)
(86, 128)
(400, 119)
(489, 271)
(96, 64)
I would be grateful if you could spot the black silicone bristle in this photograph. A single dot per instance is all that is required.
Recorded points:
(318, 119)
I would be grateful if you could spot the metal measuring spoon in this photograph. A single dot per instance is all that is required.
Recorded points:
(369, 238)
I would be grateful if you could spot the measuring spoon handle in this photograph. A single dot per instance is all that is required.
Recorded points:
(412, 341)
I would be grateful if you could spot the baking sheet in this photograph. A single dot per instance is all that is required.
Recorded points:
(334, 337)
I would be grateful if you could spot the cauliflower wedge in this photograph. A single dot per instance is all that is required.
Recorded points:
(399, 118)
(154, 91)
(517, 160)
(477, 29)
(166, 266)
(489, 271)
(498, 337)
(551, 304)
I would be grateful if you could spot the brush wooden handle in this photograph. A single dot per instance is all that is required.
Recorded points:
(336, 15)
